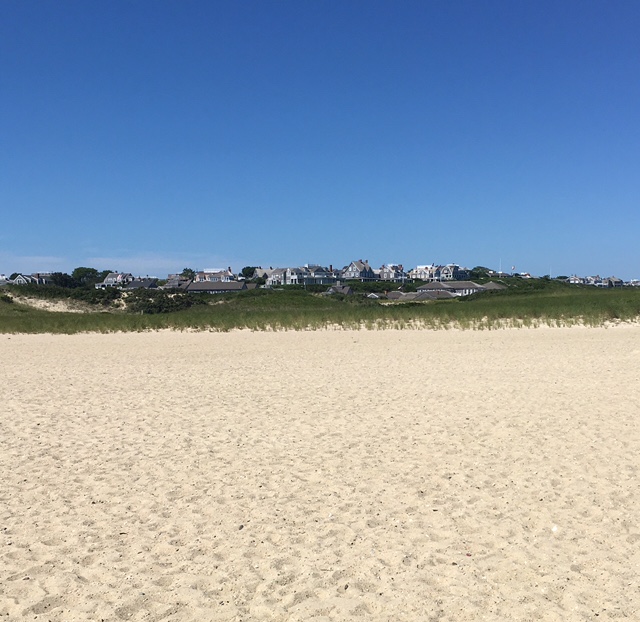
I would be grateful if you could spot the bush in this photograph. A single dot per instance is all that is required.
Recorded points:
(147, 301)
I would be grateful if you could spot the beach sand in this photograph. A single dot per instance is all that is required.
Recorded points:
(331, 475)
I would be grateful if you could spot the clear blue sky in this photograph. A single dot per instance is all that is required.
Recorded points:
(148, 136)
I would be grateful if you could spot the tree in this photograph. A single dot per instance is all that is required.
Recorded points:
(62, 279)
(479, 272)
(86, 276)
(188, 273)
(248, 271)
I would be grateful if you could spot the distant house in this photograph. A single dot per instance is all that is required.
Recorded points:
(37, 278)
(260, 273)
(276, 277)
(318, 275)
(464, 288)
(492, 285)
(142, 284)
(304, 275)
(427, 272)
(434, 286)
(434, 295)
(596, 281)
(215, 275)
(359, 270)
(219, 287)
(392, 272)
(294, 276)
(23, 279)
(453, 272)
(115, 279)
(612, 281)
(176, 282)
(396, 295)
(456, 288)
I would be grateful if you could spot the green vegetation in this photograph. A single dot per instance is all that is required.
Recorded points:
(526, 302)
(86, 294)
(188, 273)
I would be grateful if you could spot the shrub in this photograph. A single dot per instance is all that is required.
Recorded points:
(146, 301)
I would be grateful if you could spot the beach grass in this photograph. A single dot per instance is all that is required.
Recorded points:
(296, 309)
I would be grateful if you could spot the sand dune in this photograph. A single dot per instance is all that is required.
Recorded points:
(330, 475)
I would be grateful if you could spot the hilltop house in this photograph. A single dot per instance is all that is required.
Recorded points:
(142, 284)
(453, 272)
(305, 275)
(392, 272)
(176, 281)
(359, 270)
(457, 288)
(215, 275)
(429, 272)
(115, 279)
(318, 275)
(37, 278)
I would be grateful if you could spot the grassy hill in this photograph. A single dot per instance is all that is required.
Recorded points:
(523, 303)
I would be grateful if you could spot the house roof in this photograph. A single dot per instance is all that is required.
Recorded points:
(436, 285)
(178, 283)
(464, 285)
(216, 286)
(359, 265)
(493, 285)
(435, 295)
(142, 284)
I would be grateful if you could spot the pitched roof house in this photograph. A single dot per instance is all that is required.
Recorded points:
(37, 278)
(427, 272)
(392, 272)
(305, 275)
(359, 270)
(175, 281)
(457, 288)
(215, 275)
(115, 279)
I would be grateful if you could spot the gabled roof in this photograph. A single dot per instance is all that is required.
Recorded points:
(178, 283)
(359, 265)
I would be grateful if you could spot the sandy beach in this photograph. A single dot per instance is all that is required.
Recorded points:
(331, 475)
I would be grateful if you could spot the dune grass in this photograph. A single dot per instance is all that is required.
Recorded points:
(299, 310)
